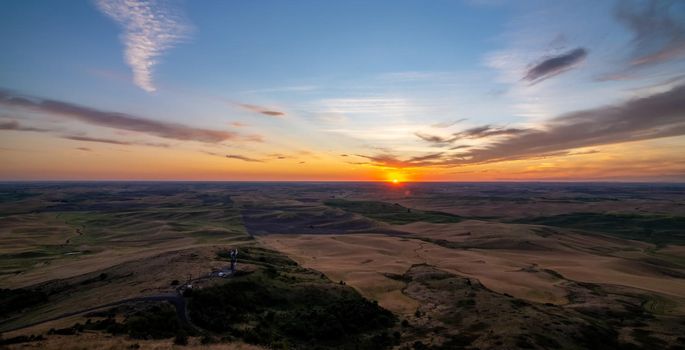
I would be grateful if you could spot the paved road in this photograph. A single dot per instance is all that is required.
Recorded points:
(176, 300)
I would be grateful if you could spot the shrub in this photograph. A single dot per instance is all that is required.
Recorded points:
(14, 300)
(21, 339)
(281, 313)
(157, 322)
(181, 338)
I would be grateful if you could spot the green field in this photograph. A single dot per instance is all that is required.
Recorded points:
(282, 305)
(657, 229)
(392, 213)
(45, 227)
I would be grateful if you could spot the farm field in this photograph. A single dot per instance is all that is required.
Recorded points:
(427, 265)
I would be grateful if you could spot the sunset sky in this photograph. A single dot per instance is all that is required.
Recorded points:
(478, 90)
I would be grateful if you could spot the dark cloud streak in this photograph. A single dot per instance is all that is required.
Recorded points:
(472, 133)
(432, 138)
(113, 142)
(121, 121)
(243, 158)
(96, 139)
(262, 110)
(16, 126)
(555, 65)
(658, 30)
(486, 131)
(656, 116)
(445, 125)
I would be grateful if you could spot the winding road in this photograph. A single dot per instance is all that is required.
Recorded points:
(176, 300)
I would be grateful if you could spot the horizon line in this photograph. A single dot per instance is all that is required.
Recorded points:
(339, 181)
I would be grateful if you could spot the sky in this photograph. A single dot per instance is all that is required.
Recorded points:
(308, 90)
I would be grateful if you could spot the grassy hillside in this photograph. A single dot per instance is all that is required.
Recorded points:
(46, 227)
(282, 305)
(392, 213)
(658, 229)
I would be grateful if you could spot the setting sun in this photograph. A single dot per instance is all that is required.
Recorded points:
(395, 178)
(341, 174)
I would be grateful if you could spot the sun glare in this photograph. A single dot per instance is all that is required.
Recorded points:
(395, 178)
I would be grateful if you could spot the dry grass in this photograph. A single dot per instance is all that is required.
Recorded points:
(88, 341)
(138, 277)
(522, 271)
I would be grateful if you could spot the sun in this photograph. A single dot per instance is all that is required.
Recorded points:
(395, 178)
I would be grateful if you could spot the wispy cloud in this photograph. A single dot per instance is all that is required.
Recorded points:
(386, 160)
(658, 37)
(527, 98)
(262, 110)
(295, 88)
(383, 106)
(238, 124)
(16, 126)
(113, 141)
(590, 151)
(428, 157)
(656, 116)
(280, 156)
(234, 156)
(433, 138)
(377, 133)
(555, 65)
(243, 158)
(96, 139)
(393, 161)
(479, 132)
(150, 28)
(658, 30)
(121, 121)
(444, 125)
(659, 115)
(487, 131)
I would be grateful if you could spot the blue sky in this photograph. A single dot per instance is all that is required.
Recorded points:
(419, 87)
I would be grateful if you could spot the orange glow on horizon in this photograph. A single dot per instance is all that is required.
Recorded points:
(54, 158)
(395, 178)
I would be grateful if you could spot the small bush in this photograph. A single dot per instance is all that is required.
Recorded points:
(283, 314)
(181, 338)
(466, 303)
(21, 339)
(158, 322)
(418, 345)
(207, 339)
(518, 303)
(15, 300)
